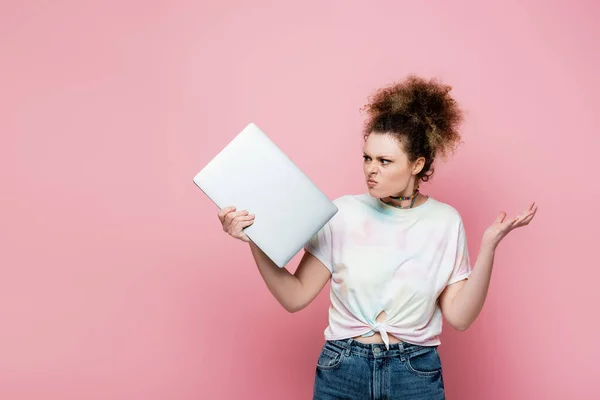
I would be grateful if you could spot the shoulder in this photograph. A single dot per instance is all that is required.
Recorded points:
(444, 212)
(349, 206)
(344, 199)
(350, 202)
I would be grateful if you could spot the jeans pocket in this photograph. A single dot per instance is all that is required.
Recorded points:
(329, 358)
(425, 362)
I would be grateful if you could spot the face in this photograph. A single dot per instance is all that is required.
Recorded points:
(387, 164)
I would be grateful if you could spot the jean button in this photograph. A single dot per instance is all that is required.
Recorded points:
(376, 350)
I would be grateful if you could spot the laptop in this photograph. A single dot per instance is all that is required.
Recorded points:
(253, 174)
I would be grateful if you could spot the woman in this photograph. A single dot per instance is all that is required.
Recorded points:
(397, 259)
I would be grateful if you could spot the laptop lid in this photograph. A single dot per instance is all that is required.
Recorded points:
(253, 174)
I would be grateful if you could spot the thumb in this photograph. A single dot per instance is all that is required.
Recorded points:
(500, 217)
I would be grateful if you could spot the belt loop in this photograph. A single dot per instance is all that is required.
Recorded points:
(401, 345)
(348, 346)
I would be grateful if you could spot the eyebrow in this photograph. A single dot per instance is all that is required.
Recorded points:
(380, 157)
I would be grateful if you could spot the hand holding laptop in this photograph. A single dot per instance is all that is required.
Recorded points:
(234, 222)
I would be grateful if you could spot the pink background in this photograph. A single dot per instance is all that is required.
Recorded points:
(116, 279)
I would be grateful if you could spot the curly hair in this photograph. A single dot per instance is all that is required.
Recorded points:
(419, 113)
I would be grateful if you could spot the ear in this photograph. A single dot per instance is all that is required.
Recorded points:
(418, 165)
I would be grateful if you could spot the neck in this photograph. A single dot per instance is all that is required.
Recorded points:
(409, 191)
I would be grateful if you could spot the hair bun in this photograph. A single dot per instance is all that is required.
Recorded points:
(423, 104)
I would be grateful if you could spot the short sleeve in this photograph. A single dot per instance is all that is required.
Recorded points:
(320, 246)
(462, 263)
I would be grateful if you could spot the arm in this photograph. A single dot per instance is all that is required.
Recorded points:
(292, 291)
(462, 301)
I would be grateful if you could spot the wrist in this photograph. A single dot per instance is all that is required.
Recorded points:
(489, 247)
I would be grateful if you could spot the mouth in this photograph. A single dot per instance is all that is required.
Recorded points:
(371, 182)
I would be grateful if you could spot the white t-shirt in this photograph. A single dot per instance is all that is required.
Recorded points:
(384, 258)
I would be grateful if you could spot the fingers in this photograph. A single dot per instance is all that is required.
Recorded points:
(240, 223)
(224, 212)
(532, 207)
(237, 230)
(231, 215)
(526, 217)
(517, 220)
(234, 222)
(522, 219)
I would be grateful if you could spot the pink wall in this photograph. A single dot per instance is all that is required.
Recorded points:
(116, 280)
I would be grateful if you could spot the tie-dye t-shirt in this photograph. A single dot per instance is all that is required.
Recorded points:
(384, 258)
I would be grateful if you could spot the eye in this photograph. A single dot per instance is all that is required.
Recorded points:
(366, 158)
(384, 161)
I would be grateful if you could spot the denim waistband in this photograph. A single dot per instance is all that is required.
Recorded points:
(376, 349)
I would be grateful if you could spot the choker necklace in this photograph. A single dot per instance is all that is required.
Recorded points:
(412, 197)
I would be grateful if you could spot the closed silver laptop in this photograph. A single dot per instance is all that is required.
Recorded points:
(252, 173)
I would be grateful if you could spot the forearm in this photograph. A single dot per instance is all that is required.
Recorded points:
(284, 286)
(469, 300)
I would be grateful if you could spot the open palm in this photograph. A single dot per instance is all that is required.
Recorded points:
(502, 226)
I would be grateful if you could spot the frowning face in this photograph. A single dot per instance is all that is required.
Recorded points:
(387, 168)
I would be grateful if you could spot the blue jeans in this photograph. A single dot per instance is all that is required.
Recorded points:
(349, 369)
